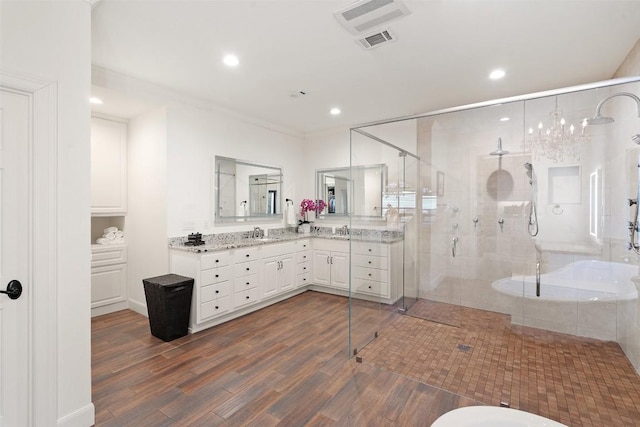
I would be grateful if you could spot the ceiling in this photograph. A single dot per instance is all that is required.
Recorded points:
(442, 57)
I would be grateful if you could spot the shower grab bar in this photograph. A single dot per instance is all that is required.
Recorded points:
(454, 242)
(538, 279)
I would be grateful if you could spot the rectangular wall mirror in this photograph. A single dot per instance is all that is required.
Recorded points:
(246, 190)
(335, 187)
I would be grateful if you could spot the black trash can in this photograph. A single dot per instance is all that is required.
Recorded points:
(168, 303)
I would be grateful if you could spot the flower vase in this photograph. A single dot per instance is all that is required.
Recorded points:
(310, 216)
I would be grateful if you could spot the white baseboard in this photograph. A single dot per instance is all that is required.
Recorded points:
(83, 417)
(138, 307)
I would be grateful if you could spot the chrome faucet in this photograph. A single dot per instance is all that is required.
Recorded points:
(345, 230)
(257, 233)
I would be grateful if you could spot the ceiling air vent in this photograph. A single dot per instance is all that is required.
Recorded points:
(376, 39)
(364, 15)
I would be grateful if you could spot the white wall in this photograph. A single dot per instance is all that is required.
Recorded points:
(146, 220)
(195, 136)
(51, 41)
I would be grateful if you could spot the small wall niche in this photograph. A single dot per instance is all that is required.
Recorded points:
(99, 223)
(564, 185)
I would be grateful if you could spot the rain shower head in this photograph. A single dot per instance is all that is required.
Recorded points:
(599, 119)
(499, 151)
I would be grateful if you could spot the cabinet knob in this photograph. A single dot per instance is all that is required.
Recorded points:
(369, 262)
(369, 286)
(248, 269)
(247, 255)
(217, 260)
(303, 257)
(369, 250)
(217, 292)
(217, 307)
(247, 283)
(217, 275)
(304, 268)
(247, 297)
(369, 274)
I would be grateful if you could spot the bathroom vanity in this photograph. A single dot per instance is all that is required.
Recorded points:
(235, 279)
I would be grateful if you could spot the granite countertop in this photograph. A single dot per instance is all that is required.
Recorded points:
(228, 241)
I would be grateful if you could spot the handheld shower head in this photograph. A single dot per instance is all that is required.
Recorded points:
(528, 166)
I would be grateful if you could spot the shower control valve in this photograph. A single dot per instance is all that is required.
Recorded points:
(633, 202)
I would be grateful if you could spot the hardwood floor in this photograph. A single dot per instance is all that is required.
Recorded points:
(285, 365)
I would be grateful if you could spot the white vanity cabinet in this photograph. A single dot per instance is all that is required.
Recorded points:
(229, 284)
(304, 263)
(108, 167)
(331, 263)
(245, 283)
(377, 270)
(278, 268)
(108, 279)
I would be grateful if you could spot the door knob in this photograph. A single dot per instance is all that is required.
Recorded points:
(14, 289)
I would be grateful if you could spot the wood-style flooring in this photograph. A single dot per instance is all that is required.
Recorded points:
(285, 365)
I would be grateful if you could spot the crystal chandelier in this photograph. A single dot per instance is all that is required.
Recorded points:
(557, 142)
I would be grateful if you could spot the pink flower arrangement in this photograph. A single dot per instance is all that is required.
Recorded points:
(308, 205)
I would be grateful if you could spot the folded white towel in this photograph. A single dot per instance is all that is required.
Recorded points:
(102, 241)
(119, 234)
(109, 236)
(110, 230)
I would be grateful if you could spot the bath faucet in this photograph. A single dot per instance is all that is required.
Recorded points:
(345, 230)
(257, 233)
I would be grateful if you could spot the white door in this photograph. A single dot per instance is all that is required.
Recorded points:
(287, 276)
(321, 267)
(270, 277)
(340, 270)
(14, 238)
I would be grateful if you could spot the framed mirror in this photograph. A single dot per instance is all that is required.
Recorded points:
(246, 190)
(366, 183)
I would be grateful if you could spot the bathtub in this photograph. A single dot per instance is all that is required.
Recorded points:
(580, 281)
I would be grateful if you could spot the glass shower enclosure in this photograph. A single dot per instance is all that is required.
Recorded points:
(515, 221)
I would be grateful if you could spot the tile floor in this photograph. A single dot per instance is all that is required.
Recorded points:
(480, 355)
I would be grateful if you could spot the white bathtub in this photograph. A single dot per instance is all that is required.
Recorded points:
(579, 281)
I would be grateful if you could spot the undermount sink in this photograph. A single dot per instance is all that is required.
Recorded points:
(265, 239)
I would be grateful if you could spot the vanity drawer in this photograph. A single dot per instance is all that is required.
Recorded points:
(218, 290)
(371, 287)
(304, 267)
(303, 279)
(245, 268)
(369, 248)
(370, 274)
(302, 245)
(246, 297)
(215, 307)
(246, 254)
(303, 256)
(246, 282)
(215, 275)
(369, 261)
(108, 255)
(215, 260)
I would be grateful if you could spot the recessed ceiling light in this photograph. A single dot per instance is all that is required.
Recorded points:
(231, 60)
(497, 74)
(335, 111)
(504, 119)
(95, 100)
